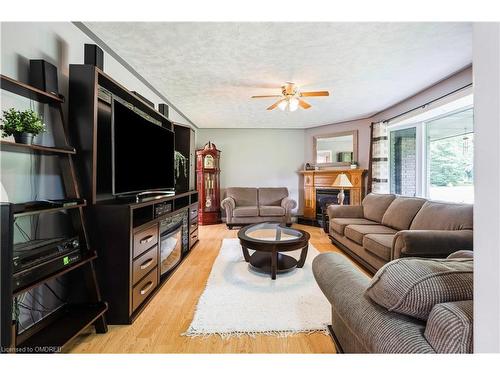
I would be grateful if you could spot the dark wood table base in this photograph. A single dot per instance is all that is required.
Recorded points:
(262, 261)
(274, 262)
(268, 256)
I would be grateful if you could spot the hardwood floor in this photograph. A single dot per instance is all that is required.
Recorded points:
(158, 329)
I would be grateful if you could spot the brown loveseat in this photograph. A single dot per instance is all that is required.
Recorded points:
(386, 227)
(245, 205)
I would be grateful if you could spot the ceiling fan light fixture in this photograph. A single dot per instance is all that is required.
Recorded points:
(283, 105)
(293, 104)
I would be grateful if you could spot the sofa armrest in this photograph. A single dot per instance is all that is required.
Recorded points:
(335, 210)
(288, 204)
(449, 327)
(360, 324)
(430, 243)
(228, 204)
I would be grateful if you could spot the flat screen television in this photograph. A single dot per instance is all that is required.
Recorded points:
(142, 153)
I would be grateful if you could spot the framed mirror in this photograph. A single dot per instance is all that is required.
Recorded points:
(336, 150)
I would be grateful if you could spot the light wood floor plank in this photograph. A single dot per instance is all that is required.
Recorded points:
(158, 329)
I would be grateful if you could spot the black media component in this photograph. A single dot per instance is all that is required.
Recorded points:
(93, 55)
(43, 76)
(37, 259)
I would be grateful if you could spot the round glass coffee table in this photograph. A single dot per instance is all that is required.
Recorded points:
(270, 241)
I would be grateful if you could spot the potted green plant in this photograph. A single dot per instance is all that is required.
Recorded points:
(23, 125)
(180, 161)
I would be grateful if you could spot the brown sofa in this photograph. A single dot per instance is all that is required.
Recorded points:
(362, 323)
(244, 205)
(386, 227)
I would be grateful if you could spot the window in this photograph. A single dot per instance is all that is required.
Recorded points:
(450, 151)
(431, 154)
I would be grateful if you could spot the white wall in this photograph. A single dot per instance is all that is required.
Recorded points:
(258, 157)
(486, 54)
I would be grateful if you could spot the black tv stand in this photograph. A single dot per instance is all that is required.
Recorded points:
(130, 268)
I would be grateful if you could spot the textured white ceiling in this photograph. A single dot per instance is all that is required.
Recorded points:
(210, 70)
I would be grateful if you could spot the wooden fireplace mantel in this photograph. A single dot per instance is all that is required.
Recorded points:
(323, 179)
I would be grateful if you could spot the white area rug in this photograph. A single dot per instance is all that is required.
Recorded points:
(238, 300)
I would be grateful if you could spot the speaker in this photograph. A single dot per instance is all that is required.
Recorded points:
(163, 109)
(43, 76)
(93, 55)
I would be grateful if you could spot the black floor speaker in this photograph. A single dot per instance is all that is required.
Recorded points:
(43, 76)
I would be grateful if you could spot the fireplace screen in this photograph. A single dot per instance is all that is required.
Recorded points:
(170, 246)
(326, 197)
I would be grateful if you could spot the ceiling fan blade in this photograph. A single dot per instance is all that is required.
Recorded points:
(304, 104)
(265, 96)
(270, 108)
(315, 93)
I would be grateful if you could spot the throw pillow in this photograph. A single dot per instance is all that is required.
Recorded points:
(412, 286)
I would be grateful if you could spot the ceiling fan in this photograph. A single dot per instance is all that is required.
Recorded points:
(290, 98)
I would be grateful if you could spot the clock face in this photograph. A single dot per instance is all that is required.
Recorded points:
(209, 162)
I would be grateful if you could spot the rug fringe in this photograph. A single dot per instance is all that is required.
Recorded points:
(238, 334)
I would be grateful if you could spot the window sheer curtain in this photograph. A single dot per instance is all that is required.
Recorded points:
(379, 158)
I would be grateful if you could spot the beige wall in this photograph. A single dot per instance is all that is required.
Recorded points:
(363, 128)
(258, 157)
(441, 88)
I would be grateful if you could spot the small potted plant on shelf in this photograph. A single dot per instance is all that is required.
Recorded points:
(354, 164)
(180, 161)
(23, 125)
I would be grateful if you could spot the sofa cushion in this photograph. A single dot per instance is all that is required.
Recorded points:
(413, 286)
(271, 211)
(339, 224)
(243, 196)
(375, 205)
(443, 216)
(401, 212)
(246, 211)
(449, 328)
(272, 196)
(356, 232)
(379, 245)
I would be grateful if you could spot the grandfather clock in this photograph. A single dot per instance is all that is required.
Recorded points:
(208, 184)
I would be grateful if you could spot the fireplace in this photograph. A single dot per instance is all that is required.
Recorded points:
(173, 241)
(324, 198)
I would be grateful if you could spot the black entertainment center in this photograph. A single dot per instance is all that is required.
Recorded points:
(144, 219)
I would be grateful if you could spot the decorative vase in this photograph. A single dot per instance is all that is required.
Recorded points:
(25, 138)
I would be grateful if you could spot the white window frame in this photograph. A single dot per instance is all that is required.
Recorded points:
(422, 153)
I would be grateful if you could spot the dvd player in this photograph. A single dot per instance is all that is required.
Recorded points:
(38, 258)
(29, 254)
(24, 278)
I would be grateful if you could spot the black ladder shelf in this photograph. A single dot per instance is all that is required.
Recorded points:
(58, 328)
